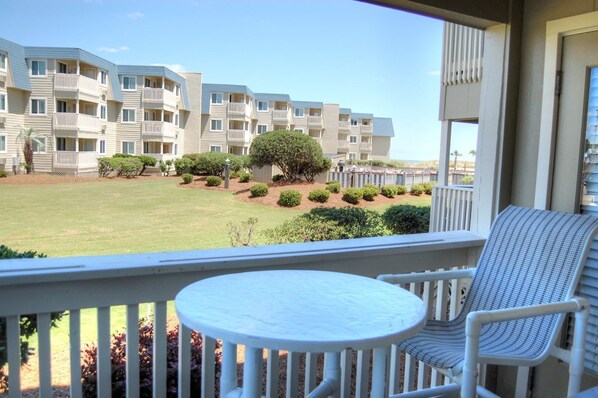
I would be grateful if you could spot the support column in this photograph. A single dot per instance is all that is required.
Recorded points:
(445, 152)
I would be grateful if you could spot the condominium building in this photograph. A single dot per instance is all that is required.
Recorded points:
(83, 107)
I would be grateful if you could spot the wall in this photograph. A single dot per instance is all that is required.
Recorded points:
(330, 125)
(381, 148)
(193, 120)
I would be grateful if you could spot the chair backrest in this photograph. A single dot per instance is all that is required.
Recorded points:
(531, 257)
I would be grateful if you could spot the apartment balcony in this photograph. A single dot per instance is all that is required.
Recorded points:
(151, 129)
(343, 144)
(344, 126)
(366, 129)
(158, 98)
(75, 160)
(238, 137)
(281, 116)
(77, 87)
(365, 146)
(238, 110)
(162, 156)
(314, 121)
(77, 125)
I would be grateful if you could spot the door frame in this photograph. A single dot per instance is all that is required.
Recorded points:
(555, 32)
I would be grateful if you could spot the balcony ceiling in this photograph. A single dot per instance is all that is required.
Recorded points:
(476, 13)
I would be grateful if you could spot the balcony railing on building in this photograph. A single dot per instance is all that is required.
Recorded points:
(366, 129)
(463, 53)
(158, 129)
(76, 86)
(238, 136)
(75, 160)
(78, 123)
(239, 109)
(343, 144)
(314, 121)
(159, 97)
(280, 116)
(451, 208)
(344, 125)
(365, 146)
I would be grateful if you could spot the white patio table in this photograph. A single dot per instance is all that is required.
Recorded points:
(299, 311)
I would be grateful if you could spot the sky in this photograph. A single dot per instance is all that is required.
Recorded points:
(368, 58)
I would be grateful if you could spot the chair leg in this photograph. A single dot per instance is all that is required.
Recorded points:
(576, 367)
(469, 380)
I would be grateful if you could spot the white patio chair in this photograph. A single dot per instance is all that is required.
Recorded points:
(521, 290)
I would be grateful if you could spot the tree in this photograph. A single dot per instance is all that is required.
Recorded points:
(472, 152)
(295, 153)
(456, 154)
(27, 137)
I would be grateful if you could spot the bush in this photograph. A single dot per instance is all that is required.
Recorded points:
(407, 219)
(245, 177)
(129, 167)
(277, 177)
(182, 166)
(319, 195)
(165, 167)
(289, 198)
(333, 186)
(258, 190)
(3, 174)
(378, 163)
(352, 195)
(369, 192)
(417, 189)
(187, 178)
(146, 161)
(401, 189)
(123, 164)
(213, 163)
(106, 166)
(467, 180)
(428, 187)
(213, 181)
(389, 190)
(119, 362)
(302, 229)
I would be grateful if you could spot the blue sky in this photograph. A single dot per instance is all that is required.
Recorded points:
(371, 59)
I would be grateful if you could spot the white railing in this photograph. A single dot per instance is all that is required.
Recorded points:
(238, 135)
(365, 146)
(77, 121)
(463, 52)
(314, 120)
(159, 96)
(71, 159)
(43, 286)
(282, 115)
(366, 129)
(238, 108)
(343, 144)
(344, 125)
(165, 129)
(72, 82)
(451, 208)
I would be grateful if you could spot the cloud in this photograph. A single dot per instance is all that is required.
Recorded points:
(434, 73)
(173, 67)
(113, 49)
(135, 15)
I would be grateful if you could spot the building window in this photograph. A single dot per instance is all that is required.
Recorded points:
(102, 147)
(39, 146)
(60, 144)
(353, 122)
(2, 61)
(176, 149)
(353, 139)
(216, 98)
(216, 125)
(262, 128)
(38, 106)
(3, 148)
(352, 156)
(103, 112)
(103, 76)
(2, 102)
(299, 112)
(128, 115)
(299, 130)
(176, 119)
(262, 106)
(129, 83)
(129, 147)
(38, 68)
(177, 90)
(215, 148)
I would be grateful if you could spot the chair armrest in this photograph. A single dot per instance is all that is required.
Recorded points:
(426, 276)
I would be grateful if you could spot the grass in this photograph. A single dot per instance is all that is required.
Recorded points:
(122, 216)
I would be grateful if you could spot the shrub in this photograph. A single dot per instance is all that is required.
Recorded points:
(235, 174)
(129, 167)
(258, 190)
(319, 195)
(3, 174)
(369, 192)
(333, 186)
(289, 198)
(187, 178)
(378, 163)
(146, 161)
(389, 190)
(352, 195)
(119, 361)
(428, 187)
(301, 229)
(467, 180)
(213, 163)
(277, 177)
(245, 177)
(401, 189)
(106, 166)
(182, 166)
(407, 219)
(213, 181)
(123, 164)
(417, 189)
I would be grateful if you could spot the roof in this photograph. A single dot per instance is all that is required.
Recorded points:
(344, 111)
(272, 97)
(18, 66)
(383, 127)
(82, 55)
(208, 88)
(307, 104)
(161, 71)
(362, 115)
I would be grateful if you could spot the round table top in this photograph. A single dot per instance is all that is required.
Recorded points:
(303, 311)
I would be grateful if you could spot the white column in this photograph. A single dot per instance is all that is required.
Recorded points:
(445, 151)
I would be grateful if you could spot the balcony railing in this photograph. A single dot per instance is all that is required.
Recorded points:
(76, 83)
(343, 144)
(238, 109)
(314, 120)
(43, 286)
(344, 125)
(238, 136)
(75, 160)
(366, 129)
(281, 116)
(159, 96)
(158, 129)
(451, 208)
(77, 122)
(365, 146)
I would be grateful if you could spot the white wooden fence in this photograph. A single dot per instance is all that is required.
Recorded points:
(451, 208)
(381, 177)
